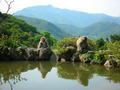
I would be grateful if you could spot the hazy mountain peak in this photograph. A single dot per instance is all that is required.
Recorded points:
(64, 16)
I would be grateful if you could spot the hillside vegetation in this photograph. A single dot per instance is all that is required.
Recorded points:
(15, 32)
(43, 25)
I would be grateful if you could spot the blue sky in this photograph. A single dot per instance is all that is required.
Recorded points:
(109, 7)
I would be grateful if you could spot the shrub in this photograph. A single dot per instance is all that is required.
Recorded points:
(89, 56)
(113, 51)
(67, 42)
(92, 44)
(99, 57)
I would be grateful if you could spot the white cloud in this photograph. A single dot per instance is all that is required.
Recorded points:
(110, 7)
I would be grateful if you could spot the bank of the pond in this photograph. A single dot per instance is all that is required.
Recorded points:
(73, 49)
(82, 49)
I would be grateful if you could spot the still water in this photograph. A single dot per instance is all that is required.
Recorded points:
(48, 75)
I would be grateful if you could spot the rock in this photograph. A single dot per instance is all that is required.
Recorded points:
(75, 59)
(93, 62)
(84, 59)
(110, 64)
(45, 53)
(67, 54)
(82, 44)
(32, 54)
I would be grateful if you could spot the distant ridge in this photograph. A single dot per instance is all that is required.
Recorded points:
(43, 25)
(65, 16)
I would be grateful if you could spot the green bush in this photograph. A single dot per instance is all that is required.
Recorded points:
(89, 56)
(92, 44)
(71, 41)
(99, 56)
(66, 42)
(114, 50)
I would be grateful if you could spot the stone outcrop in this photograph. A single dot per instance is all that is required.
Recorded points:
(84, 59)
(110, 64)
(29, 54)
(67, 54)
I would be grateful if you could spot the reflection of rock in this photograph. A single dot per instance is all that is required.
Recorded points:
(82, 45)
(67, 71)
(74, 72)
(110, 64)
(44, 68)
(83, 77)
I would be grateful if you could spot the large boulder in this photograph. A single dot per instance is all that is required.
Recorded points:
(110, 64)
(25, 53)
(84, 59)
(44, 53)
(82, 44)
(67, 54)
(31, 54)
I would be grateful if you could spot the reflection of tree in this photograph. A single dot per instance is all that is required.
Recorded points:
(67, 71)
(110, 74)
(74, 71)
(11, 71)
(83, 72)
(83, 77)
(114, 75)
(44, 68)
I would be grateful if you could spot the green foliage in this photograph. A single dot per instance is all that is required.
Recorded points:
(98, 57)
(114, 50)
(89, 56)
(114, 38)
(43, 25)
(92, 44)
(51, 40)
(100, 44)
(66, 42)
(71, 41)
(101, 30)
(16, 32)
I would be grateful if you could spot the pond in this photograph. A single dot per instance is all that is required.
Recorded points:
(46, 75)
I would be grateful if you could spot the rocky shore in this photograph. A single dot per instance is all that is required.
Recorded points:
(80, 53)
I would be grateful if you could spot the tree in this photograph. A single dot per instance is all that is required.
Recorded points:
(9, 3)
(100, 43)
(114, 38)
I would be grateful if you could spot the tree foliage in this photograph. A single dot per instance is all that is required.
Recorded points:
(16, 32)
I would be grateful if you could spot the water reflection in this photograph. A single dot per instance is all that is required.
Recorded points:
(75, 71)
(11, 71)
(44, 68)
(84, 72)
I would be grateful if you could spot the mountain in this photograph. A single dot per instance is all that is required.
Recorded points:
(71, 29)
(65, 16)
(95, 31)
(43, 25)
(100, 30)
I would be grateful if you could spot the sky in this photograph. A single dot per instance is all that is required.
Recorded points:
(109, 7)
